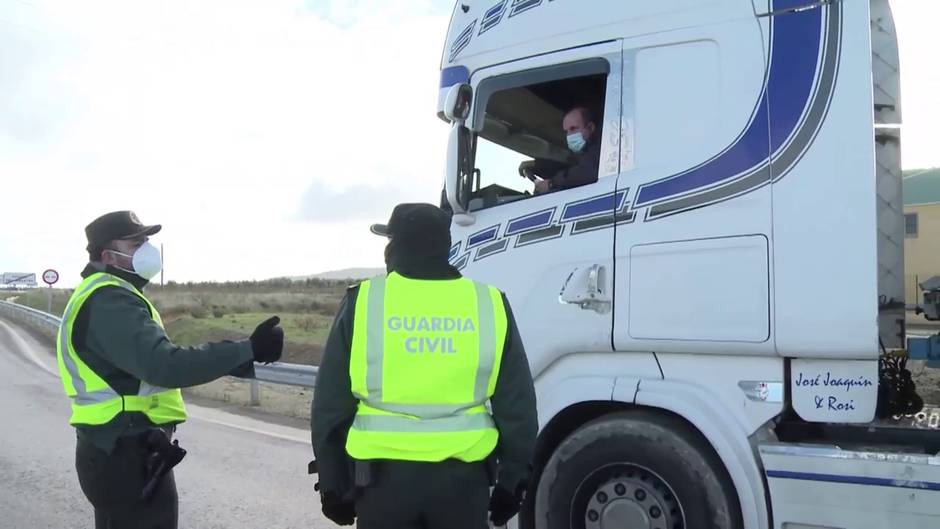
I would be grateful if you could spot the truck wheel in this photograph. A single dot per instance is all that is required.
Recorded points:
(639, 470)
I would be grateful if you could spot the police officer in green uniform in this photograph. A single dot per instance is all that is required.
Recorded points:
(400, 426)
(123, 375)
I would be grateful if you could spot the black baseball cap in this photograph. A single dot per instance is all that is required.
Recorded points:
(117, 225)
(417, 222)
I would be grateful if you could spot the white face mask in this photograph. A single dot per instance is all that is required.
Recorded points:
(576, 142)
(146, 261)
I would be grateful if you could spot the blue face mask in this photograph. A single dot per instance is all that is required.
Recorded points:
(576, 142)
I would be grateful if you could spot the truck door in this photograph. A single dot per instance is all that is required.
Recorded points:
(693, 246)
(552, 253)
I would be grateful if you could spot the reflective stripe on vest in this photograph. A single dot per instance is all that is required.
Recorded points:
(93, 401)
(425, 359)
(393, 423)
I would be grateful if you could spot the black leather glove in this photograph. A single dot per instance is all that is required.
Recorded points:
(527, 169)
(334, 508)
(504, 504)
(267, 342)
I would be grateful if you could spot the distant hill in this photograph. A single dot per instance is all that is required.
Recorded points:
(921, 186)
(347, 273)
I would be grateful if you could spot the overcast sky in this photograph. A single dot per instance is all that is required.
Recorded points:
(264, 135)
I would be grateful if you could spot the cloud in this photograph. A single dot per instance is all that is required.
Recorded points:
(358, 202)
(275, 120)
(263, 135)
(29, 111)
(915, 21)
(346, 13)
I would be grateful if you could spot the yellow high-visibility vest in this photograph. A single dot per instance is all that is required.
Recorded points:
(424, 362)
(94, 402)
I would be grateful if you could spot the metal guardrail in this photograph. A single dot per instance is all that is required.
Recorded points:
(39, 320)
(276, 373)
(287, 374)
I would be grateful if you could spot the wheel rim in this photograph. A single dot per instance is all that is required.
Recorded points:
(626, 496)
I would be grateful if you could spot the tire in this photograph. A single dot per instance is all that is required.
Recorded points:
(636, 470)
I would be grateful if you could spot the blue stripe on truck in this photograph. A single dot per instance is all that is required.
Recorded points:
(854, 480)
(794, 61)
(454, 75)
(530, 222)
(603, 204)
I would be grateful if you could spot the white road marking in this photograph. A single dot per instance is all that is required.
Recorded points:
(21, 344)
(248, 424)
(210, 415)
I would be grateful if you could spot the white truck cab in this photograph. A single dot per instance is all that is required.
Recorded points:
(706, 321)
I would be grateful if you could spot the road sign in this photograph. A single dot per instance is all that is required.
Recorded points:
(50, 277)
(18, 279)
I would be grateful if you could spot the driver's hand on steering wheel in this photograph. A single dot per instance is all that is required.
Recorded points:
(527, 169)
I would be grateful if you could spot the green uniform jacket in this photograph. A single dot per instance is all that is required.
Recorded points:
(334, 406)
(116, 337)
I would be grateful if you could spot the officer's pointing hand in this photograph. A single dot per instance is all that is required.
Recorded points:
(267, 342)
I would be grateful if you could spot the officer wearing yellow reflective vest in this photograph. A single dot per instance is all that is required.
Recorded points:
(123, 375)
(424, 398)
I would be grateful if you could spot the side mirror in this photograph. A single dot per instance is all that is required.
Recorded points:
(458, 177)
(457, 103)
(452, 171)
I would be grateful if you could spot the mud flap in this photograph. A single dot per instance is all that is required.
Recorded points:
(818, 486)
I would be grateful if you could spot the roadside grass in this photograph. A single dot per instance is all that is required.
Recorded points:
(195, 313)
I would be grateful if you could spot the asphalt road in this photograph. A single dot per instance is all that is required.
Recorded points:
(241, 471)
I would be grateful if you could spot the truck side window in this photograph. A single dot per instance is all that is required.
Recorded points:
(539, 138)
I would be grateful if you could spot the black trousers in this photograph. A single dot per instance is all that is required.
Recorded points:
(113, 482)
(407, 495)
